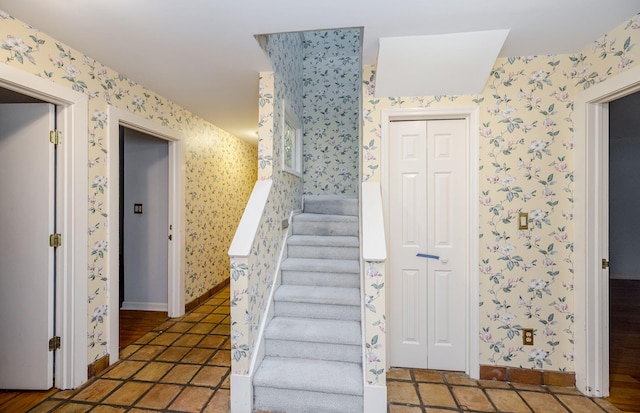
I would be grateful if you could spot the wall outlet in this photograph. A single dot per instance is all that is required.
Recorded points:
(527, 336)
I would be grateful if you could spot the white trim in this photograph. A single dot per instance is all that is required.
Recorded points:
(71, 291)
(591, 288)
(250, 221)
(241, 399)
(472, 212)
(175, 307)
(374, 247)
(375, 399)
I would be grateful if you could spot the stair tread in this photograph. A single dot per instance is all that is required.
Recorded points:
(324, 240)
(314, 330)
(320, 265)
(318, 295)
(313, 217)
(310, 375)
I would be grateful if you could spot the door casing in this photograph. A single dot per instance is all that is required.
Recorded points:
(471, 115)
(591, 282)
(176, 284)
(70, 369)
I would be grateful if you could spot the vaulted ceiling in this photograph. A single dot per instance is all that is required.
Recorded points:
(202, 54)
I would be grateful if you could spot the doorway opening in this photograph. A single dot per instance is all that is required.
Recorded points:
(592, 236)
(470, 238)
(69, 295)
(146, 277)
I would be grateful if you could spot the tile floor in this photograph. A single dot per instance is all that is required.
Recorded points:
(183, 365)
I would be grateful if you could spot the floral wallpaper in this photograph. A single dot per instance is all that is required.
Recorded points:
(332, 73)
(220, 169)
(252, 276)
(526, 164)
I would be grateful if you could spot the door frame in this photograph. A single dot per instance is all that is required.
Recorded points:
(70, 369)
(175, 139)
(591, 282)
(472, 282)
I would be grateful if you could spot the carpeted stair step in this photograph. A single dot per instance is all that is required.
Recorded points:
(322, 273)
(323, 224)
(325, 247)
(331, 204)
(317, 302)
(336, 340)
(301, 385)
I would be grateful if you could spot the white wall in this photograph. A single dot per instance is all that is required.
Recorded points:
(624, 188)
(146, 168)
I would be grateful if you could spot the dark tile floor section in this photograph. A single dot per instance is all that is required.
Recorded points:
(184, 364)
(430, 391)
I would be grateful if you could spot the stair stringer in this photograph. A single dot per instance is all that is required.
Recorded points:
(242, 384)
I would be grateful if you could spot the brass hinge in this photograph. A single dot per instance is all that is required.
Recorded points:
(605, 263)
(55, 240)
(54, 343)
(55, 137)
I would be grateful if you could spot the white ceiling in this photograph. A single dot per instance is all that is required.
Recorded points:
(202, 53)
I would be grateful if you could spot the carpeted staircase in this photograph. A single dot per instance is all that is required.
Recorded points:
(313, 345)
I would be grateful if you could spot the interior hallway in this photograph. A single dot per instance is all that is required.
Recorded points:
(183, 365)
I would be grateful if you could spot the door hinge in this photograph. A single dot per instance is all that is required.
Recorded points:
(54, 343)
(55, 240)
(55, 137)
(605, 263)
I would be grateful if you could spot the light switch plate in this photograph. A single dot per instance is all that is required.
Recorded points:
(523, 220)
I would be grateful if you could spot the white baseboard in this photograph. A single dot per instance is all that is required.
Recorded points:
(375, 399)
(241, 400)
(134, 305)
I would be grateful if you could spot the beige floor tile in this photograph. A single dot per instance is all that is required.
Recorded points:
(214, 318)
(226, 320)
(472, 398)
(128, 393)
(529, 387)
(507, 401)
(542, 402)
(73, 408)
(124, 369)
(189, 340)
(193, 317)
(129, 350)
(173, 353)
(97, 390)
(430, 376)
(205, 308)
(438, 410)
(219, 403)
(153, 371)
(577, 404)
(607, 406)
(398, 373)
(459, 379)
(221, 358)
(180, 374)
(494, 384)
(45, 406)
(564, 390)
(222, 329)
(202, 328)
(160, 396)
(197, 356)
(147, 353)
(180, 327)
(212, 341)
(394, 408)
(226, 384)
(65, 394)
(210, 376)
(436, 395)
(147, 338)
(192, 399)
(165, 339)
(401, 392)
(108, 409)
(222, 309)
